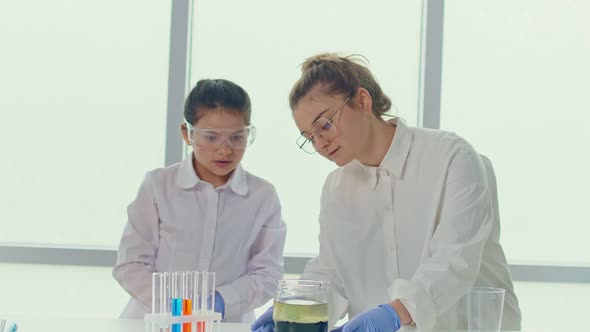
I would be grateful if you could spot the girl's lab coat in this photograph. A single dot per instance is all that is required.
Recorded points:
(422, 227)
(180, 223)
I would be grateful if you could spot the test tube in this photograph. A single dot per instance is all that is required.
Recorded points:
(196, 299)
(161, 292)
(177, 296)
(187, 298)
(208, 291)
(156, 280)
(207, 297)
(156, 292)
(196, 288)
(166, 293)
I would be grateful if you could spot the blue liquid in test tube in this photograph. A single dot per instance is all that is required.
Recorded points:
(176, 311)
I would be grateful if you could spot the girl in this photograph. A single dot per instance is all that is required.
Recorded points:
(206, 213)
(408, 222)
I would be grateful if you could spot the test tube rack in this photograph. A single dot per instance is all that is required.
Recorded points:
(157, 322)
(183, 301)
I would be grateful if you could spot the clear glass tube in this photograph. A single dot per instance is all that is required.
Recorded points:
(208, 291)
(177, 297)
(484, 309)
(156, 292)
(207, 298)
(177, 284)
(187, 298)
(166, 292)
(161, 297)
(196, 291)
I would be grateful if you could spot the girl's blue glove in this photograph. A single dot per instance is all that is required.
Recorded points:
(219, 304)
(264, 323)
(381, 319)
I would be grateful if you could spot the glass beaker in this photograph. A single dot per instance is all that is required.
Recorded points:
(484, 309)
(301, 306)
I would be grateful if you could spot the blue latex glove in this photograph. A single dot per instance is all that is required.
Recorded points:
(219, 304)
(381, 319)
(264, 323)
(338, 329)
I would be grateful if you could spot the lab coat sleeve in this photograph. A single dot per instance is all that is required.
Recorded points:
(322, 268)
(138, 246)
(463, 226)
(264, 269)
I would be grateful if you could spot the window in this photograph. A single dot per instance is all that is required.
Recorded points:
(260, 44)
(515, 84)
(84, 88)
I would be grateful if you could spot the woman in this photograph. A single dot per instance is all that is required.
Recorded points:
(408, 222)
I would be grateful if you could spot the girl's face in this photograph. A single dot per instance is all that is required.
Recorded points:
(215, 139)
(333, 123)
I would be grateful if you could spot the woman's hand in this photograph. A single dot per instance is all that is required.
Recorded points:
(264, 323)
(381, 319)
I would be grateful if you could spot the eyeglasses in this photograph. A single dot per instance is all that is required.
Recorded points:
(323, 128)
(213, 138)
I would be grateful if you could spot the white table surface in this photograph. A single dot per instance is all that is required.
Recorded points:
(79, 324)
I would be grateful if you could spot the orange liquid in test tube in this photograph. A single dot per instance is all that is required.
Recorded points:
(187, 310)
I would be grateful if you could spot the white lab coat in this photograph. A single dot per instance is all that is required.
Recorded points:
(423, 227)
(180, 223)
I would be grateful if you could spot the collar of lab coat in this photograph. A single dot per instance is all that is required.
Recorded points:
(397, 155)
(187, 178)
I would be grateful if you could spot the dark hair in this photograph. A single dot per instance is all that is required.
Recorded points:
(213, 94)
(338, 75)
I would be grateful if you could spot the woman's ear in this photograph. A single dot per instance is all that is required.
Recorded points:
(365, 101)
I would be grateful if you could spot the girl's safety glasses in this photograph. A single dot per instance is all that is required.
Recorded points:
(213, 138)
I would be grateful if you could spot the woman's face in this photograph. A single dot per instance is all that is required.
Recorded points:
(329, 121)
